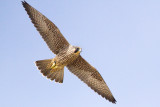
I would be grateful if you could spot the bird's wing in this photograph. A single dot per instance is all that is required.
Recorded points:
(48, 30)
(91, 77)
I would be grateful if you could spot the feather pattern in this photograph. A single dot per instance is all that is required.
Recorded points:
(48, 30)
(51, 74)
(91, 77)
(65, 56)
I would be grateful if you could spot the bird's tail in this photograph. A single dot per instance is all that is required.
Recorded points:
(47, 68)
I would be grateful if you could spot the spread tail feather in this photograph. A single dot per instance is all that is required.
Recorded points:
(48, 71)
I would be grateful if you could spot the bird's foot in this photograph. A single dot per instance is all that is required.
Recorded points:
(53, 65)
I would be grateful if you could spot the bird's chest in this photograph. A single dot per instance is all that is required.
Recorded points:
(65, 59)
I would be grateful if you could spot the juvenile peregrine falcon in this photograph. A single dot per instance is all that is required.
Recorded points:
(66, 55)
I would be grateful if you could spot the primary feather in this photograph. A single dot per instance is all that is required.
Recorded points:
(48, 30)
(91, 77)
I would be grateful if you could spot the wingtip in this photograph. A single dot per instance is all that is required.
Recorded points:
(114, 101)
(24, 2)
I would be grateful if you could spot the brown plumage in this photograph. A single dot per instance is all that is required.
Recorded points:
(91, 77)
(66, 55)
(48, 30)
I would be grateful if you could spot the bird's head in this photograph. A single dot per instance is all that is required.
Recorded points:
(77, 50)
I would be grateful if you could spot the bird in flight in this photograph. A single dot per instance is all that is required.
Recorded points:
(66, 55)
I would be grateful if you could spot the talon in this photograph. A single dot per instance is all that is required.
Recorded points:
(53, 65)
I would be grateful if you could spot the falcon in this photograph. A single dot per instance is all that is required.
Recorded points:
(66, 56)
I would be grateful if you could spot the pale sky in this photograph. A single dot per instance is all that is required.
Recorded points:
(120, 38)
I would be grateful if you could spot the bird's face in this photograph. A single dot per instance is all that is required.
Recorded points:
(77, 50)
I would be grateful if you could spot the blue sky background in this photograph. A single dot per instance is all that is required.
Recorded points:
(121, 38)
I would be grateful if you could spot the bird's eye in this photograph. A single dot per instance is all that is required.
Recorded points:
(77, 49)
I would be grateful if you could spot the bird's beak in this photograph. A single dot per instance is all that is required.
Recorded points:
(80, 50)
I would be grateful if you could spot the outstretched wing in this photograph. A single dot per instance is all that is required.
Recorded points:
(91, 77)
(48, 30)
